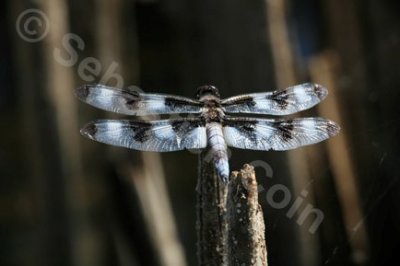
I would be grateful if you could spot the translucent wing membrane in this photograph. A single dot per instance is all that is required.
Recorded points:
(282, 102)
(270, 134)
(159, 136)
(129, 102)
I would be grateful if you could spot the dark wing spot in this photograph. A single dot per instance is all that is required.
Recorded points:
(141, 131)
(246, 100)
(246, 128)
(133, 99)
(82, 92)
(286, 130)
(175, 103)
(232, 122)
(281, 98)
(332, 128)
(186, 125)
(177, 125)
(172, 103)
(321, 91)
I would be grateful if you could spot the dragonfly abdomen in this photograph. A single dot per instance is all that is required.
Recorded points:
(218, 148)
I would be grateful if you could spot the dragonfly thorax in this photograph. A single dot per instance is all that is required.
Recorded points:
(213, 114)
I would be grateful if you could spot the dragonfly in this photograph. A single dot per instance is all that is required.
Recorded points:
(210, 122)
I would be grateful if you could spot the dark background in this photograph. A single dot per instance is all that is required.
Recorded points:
(65, 200)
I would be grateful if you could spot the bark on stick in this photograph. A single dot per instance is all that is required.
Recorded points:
(211, 213)
(246, 229)
(230, 224)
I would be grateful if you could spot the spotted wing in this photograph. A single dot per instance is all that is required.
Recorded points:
(132, 102)
(270, 134)
(281, 102)
(159, 136)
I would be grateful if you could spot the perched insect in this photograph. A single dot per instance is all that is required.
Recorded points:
(208, 123)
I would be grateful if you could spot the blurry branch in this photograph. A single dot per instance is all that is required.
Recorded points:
(245, 239)
(323, 70)
(285, 72)
(59, 84)
(109, 29)
(230, 224)
(148, 179)
(151, 189)
(29, 91)
(282, 52)
(345, 68)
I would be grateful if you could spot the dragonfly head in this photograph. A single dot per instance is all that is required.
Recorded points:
(207, 90)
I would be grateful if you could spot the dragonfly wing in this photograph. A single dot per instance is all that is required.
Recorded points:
(158, 136)
(270, 134)
(131, 102)
(282, 102)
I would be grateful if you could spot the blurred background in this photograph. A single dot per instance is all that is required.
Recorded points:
(66, 200)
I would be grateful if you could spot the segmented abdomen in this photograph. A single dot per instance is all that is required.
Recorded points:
(217, 144)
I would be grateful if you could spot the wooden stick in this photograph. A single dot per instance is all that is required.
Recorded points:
(230, 224)
(211, 213)
(246, 229)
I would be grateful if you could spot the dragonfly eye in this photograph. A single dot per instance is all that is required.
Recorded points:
(207, 89)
